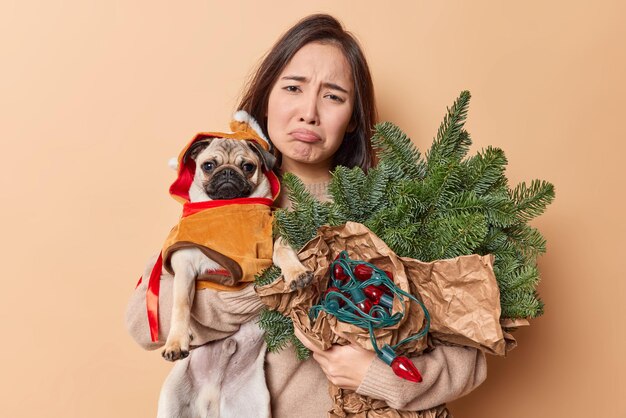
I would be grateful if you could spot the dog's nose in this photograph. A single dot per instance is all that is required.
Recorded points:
(228, 173)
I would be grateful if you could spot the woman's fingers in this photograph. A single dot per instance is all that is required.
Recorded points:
(345, 366)
(322, 361)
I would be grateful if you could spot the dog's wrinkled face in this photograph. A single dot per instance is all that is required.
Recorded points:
(226, 169)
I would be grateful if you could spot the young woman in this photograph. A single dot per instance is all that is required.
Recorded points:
(313, 97)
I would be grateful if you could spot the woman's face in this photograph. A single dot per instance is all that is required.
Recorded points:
(310, 107)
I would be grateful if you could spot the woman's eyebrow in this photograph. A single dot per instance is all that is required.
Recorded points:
(335, 87)
(303, 79)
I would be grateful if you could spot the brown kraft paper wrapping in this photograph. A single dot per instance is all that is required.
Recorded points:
(461, 295)
(347, 403)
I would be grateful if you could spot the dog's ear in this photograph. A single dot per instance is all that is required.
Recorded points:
(267, 158)
(196, 149)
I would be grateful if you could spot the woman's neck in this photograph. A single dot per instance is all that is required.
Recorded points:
(308, 173)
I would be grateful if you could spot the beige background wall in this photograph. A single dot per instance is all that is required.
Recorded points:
(95, 96)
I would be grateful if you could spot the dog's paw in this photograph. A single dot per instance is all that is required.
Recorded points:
(174, 351)
(302, 281)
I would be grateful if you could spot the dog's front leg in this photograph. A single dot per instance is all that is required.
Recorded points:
(295, 274)
(179, 338)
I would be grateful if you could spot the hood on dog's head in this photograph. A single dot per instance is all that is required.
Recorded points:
(244, 128)
(268, 160)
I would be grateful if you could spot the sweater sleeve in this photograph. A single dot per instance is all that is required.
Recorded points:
(214, 315)
(448, 372)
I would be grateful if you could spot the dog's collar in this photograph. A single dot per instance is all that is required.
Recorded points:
(190, 208)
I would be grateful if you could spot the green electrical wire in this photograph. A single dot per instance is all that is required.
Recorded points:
(378, 317)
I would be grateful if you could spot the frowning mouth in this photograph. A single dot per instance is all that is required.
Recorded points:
(305, 135)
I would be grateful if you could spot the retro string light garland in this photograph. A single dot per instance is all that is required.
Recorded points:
(362, 294)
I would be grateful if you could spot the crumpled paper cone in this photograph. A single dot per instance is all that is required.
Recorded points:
(461, 295)
(463, 299)
(348, 403)
(317, 255)
(508, 326)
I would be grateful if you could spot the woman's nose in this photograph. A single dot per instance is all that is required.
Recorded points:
(309, 113)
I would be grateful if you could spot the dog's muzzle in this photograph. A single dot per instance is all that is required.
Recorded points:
(228, 184)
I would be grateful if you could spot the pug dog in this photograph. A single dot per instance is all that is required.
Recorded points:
(225, 169)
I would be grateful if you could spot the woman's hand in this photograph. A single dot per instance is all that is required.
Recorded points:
(344, 365)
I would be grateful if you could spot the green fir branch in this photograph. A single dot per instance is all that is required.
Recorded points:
(399, 153)
(485, 170)
(493, 241)
(441, 206)
(347, 189)
(452, 142)
(374, 191)
(525, 278)
(526, 239)
(442, 184)
(521, 304)
(464, 202)
(302, 353)
(301, 223)
(278, 329)
(406, 240)
(295, 227)
(267, 276)
(505, 265)
(498, 209)
(458, 235)
(296, 192)
(531, 201)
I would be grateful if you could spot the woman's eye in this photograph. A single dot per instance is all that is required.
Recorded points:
(248, 167)
(335, 98)
(292, 89)
(208, 165)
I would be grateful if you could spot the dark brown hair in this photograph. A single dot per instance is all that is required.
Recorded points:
(356, 149)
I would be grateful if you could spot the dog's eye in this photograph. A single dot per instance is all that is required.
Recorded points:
(208, 165)
(248, 167)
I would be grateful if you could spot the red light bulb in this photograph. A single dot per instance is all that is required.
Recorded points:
(359, 299)
(385, 288)
(401, 366)
(373, 292)
(405, 368)
(378, 296)
(339, 274)
(363, 272)
(365, 306)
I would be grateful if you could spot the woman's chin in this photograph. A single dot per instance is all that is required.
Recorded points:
(299, 162)
(302, 157)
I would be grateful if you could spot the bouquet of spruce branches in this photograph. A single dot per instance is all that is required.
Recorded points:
(438, 206)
